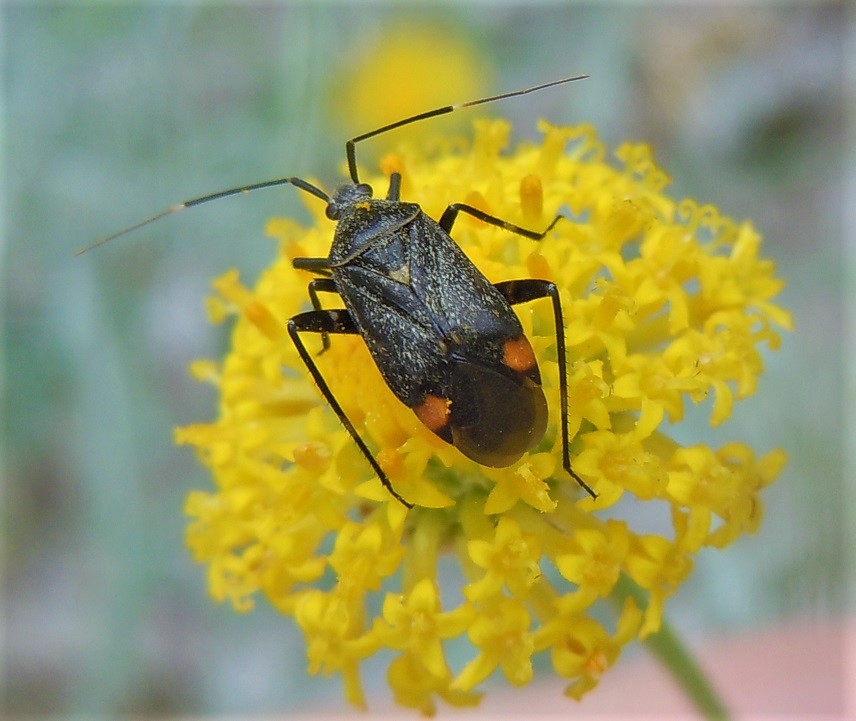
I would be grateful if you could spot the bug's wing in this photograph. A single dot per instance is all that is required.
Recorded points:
(495, 417)
(397, 329)
(498, 409)
(463, 303)
(439, 333)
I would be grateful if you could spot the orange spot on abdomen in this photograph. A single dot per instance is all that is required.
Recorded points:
(518, 355)
(434, 412)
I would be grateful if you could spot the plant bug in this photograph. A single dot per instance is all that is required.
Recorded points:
(445, 340)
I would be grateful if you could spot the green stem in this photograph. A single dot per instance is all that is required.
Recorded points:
(673, 653)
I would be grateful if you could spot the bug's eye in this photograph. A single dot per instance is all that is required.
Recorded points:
(332, 211)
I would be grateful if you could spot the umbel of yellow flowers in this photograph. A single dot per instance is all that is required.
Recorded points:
(664, 302)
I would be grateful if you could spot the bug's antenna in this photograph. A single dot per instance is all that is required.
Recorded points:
(298, 182)
(349, 146)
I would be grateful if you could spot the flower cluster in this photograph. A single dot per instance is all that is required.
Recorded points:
(664, 302)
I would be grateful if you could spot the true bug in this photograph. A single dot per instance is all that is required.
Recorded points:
(445, 339)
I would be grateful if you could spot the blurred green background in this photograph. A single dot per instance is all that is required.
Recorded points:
(114, 111)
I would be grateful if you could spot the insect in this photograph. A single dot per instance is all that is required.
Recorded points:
(445, 340)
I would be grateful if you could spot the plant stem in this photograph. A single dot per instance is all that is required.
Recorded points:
(673, 653)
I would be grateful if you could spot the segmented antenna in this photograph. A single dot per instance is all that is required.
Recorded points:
(298, 182)
(350, 153)
(349, 146)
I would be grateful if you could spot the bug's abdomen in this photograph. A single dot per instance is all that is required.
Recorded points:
(492, 412)
(446, 342)
(495, 418)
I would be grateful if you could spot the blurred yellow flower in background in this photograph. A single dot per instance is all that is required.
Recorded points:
(664, 302)
(410, 67)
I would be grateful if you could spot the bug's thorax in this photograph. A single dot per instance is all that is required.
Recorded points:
(367, 225)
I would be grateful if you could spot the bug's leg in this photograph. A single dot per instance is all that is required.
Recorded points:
(447, 220)
(326, 322)
(394, 192)
(324, 284)
(522, 291)
(321, 285)
(321, 266)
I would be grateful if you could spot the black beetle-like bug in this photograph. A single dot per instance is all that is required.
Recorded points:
(445, 339)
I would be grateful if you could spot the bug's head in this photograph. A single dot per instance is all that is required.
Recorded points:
(347, 195)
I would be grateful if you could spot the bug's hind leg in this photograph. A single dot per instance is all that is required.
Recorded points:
(522, 291)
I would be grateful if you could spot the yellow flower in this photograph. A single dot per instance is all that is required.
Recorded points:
(510, 560)
(501, 631)
(411, 66)
(664, 302)
(581, 648)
